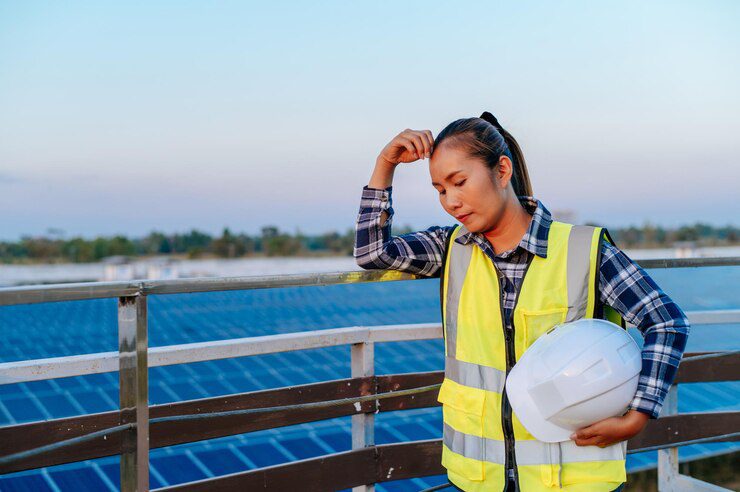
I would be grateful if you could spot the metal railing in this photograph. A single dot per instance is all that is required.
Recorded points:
(134, 357)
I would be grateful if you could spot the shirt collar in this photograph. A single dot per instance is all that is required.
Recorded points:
(534, 240)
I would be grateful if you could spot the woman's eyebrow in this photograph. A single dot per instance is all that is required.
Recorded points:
(449, 176)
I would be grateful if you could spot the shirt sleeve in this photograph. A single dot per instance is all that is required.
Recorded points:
(375, 248)
(627, 288)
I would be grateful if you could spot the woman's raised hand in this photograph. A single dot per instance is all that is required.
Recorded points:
(408, 146)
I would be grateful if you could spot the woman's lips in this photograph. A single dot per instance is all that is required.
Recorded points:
(464, 217)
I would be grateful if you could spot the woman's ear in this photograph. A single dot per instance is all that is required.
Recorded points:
(504, 172)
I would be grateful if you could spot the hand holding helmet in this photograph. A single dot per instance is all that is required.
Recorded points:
(574, 376)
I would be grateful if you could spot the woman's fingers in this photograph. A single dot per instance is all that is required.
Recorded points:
(584, 436)
(422, 140)
(407, 144)
(419, 143)
(415, 140)
(588, 441)
(430, 137)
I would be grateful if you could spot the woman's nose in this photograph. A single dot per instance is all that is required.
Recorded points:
(454, 202)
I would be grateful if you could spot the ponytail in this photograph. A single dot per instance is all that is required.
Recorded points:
(519, 176)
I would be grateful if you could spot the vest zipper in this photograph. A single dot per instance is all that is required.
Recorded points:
(510, 361)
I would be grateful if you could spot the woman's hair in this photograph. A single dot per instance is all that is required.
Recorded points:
(485, 139)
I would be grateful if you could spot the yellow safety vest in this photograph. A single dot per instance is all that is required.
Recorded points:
(481, 433)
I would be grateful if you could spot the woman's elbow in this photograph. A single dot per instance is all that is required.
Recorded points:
(367, 263)
(370, 260)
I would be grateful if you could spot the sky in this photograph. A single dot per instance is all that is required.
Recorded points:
(129, 117)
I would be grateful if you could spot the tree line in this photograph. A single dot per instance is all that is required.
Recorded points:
(653, 236)
(273, 242)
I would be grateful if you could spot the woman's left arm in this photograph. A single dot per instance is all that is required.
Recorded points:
(627, 288)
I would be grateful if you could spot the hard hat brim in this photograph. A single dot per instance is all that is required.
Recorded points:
(526, 409)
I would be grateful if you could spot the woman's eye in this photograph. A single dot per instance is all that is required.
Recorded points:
(460, 183)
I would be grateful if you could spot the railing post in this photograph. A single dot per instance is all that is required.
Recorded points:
(363, 424)
(668, 458)
(133, 392)
(669, 478)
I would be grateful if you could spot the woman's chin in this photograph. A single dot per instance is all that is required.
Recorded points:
(472, 227)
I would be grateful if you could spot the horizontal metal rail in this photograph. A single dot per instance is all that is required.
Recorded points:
(101, 290)
(5, 460)
(34, 294)
(23, 437)
(80, 365)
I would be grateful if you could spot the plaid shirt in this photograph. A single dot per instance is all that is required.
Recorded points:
(623, 284)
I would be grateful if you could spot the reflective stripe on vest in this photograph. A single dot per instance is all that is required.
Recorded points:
(474, 375)
(527, 452)
(556, 289)
(579, 267)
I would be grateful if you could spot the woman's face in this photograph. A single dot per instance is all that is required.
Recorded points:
(468, 190)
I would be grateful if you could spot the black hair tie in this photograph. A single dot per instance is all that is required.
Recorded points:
(492, 120)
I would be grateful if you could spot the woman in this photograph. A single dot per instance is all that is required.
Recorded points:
(508, 236)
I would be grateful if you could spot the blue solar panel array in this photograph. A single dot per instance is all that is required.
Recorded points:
(70, 328)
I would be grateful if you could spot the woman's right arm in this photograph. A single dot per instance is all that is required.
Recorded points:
(375, 247)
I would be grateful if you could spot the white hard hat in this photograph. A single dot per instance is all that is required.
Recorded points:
(574, 375)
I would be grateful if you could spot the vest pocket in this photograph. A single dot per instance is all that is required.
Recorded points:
(609, 468)
(462, 409)
(537, 323)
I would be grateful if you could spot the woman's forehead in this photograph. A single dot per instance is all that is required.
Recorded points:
(445, 161)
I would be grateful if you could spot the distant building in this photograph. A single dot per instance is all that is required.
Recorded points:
(685, 249)
(123, 268)
(565, 215)
(118, 268)
(162, 269)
